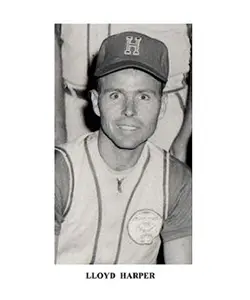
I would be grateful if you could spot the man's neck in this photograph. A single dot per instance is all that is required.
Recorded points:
(116, 158)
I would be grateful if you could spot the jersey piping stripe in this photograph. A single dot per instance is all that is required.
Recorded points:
(71, 180)
(164, 184)
(98, 192)
(167, 181)
(127, 207)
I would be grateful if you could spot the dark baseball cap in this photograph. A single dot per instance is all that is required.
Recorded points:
(133, 50)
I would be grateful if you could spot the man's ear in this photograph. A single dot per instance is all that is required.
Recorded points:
(94, 99)
(164, 100)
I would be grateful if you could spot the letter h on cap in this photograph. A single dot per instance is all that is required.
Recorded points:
(130, 44)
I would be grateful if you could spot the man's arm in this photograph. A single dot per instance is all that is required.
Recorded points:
(56, 246)
(60, 124)
(178, 251)
(177, 229)
(180, 143)
(61, 194)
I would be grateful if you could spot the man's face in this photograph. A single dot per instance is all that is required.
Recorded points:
(129, 104)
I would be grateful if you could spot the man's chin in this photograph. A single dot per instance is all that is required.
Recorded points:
(124, 142)
(128, 145)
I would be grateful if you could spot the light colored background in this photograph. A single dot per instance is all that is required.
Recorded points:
(81, 42)
(221, 203)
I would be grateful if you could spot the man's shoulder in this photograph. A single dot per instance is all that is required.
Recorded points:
(178, 170)
(180, 174)
(179, 167)
(69, 155)
(76, 143)
(155, 149)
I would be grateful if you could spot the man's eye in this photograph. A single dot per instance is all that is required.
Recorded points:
(114, 96)
(144, 97)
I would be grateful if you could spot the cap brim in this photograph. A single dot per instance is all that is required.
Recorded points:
(128, 64)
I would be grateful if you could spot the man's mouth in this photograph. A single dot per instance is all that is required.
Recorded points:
(127, 127)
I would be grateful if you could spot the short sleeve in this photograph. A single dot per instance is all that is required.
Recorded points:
(178, 223)
(61, 189)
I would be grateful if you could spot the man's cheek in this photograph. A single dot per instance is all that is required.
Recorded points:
(151, 126)
(108, 124)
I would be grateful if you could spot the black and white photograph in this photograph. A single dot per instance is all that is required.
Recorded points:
(124, 128)
(123, 144)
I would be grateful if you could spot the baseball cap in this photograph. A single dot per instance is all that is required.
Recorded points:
(133, 50)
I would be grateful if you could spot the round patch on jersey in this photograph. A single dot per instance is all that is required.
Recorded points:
(144, 226)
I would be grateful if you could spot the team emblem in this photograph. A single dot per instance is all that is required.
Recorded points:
(130, 45)
(144, 226)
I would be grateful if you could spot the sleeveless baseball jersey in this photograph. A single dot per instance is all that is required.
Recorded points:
(113, 217)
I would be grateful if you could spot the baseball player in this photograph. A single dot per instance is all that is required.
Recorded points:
(117, 195)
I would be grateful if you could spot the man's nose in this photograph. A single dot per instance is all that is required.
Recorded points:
(129, 108)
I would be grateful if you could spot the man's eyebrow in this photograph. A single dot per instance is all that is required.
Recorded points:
(147, 91)
(113, 90)
(120, 90)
